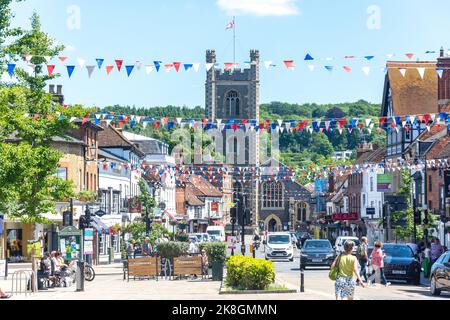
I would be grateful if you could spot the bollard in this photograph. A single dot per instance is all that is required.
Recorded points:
(80, 276)
(252, 250)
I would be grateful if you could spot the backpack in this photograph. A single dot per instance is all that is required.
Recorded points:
(360, 252)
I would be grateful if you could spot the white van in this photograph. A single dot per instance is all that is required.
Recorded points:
(217, 233)
(340, 241)
(279, 246)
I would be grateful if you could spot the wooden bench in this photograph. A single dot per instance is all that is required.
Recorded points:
(188, 266)
(143, 268)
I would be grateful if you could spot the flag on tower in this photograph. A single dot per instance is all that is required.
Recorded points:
(230, 26)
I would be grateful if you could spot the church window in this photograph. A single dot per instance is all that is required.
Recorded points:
(272, 195)
(233, 104)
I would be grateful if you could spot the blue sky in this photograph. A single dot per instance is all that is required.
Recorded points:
(181, 30)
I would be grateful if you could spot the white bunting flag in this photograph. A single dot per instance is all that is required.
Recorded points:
(219, 121)
(209, 66)
(390, 55)
(28, 58)
(31, 68)
(366, 70)
(440, 72)
(48, 58)
(90, 70)
(402, 71)
(144, 124)
(97, 116)
(421, 72)
(81, 62)
(149, 69)
(138, 119)
(179, 120)
(280, 122)
(433, 116)
(196, 66)
(368, 121)
(72, 119)
(138, 65)
(311, 67)
(287, 125)
(267, 64)
(108, 122)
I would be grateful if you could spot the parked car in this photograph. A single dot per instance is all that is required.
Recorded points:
(217, 231)
(278, 246)
(317, 253)
(202, 237)
(401, 263)
(340, 241)
(440, 275)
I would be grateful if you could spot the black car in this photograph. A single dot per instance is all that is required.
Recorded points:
(317, 253)
(401, 263)
(440, 275)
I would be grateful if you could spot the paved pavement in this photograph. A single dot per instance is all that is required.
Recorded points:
(109, 285)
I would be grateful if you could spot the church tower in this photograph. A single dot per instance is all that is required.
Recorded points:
(234, 95)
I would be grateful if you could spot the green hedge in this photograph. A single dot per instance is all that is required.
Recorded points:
(216, 251)
(172, 249)
(247, 273)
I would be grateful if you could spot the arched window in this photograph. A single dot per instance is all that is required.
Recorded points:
(272, 195)
(233, 104)
(301, 212)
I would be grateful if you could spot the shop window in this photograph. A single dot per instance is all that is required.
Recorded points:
(14, 244)
(102, 244)
(116, 243)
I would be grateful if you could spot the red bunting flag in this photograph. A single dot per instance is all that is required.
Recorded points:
(109, 69)
(36, 116)
(382, 121)
(85, 118)
(349, 57)
(228, 66)
(427, 118)
(50, 69)
(410, 55)
(205, 121)
(347, 68)
(157, 124)
(177, 66)
(342, 122)
(119, 64)
(289, 64)
(62, 59)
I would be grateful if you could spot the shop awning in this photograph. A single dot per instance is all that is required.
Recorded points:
(99, 225)
(167, 213)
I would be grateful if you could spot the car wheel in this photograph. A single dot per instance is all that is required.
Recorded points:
(434, 290)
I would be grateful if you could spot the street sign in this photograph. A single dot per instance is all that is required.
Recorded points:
(100, 213)
(345, 217)
(162, 206)
(384, 182)
(88, 234)
(370, 211)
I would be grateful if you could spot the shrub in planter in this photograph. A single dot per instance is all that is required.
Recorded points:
(171, 249)
(247, 273)
(217, 255)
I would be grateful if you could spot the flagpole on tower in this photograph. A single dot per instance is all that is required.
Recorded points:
(234, 40)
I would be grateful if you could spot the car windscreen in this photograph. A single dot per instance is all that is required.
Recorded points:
(318, 245)
(214, 232)
(279, 239)
(398, 251)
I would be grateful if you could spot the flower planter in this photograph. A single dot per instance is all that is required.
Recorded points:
(217, 271)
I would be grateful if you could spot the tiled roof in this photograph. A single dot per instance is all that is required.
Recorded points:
(375, 156)
(445, 152)
(411, 94)
(110, 137)
(204, 186)
(434, 130)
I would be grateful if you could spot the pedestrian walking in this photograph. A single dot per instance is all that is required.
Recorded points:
(347, 265)
(363, 257)
(193, 248)
(427, 261)
(377, 261)
(147, 247)
(436, 250)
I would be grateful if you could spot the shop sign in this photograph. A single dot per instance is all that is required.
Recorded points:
(3, 268)
(384, 182)
(345, 217)
(214, 206)
(88, 247)
(89, 234)
(134, 205)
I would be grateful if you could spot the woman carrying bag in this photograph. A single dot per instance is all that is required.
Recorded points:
(342, 271)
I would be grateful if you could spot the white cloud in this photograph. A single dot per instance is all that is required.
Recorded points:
(259, 7)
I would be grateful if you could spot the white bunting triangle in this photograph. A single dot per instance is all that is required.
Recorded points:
(421, 72)
(144, 124)
(108, 122)
(81, 62)
(267, 64)
(31, 68)
(179, 120)
(48, 58)
(280, 122)
(311, 67)
(196, 66)
(90, 70)
(149, 69)
(366, 70)
(440, 72)
(28, 58)
(209, 66)
(72, 119)
(368, 121)
(219, 121)
(138, 65)
(402, 71)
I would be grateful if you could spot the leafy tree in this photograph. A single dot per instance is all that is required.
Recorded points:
(147, 200)
(30, 119)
